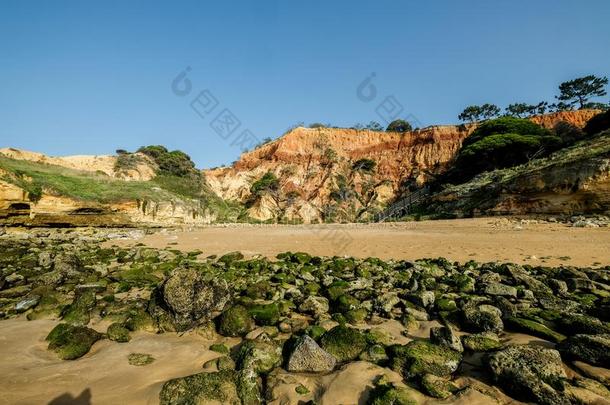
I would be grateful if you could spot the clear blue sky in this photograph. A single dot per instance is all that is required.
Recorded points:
(88, 77)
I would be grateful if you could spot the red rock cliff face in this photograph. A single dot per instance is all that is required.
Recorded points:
(315, 169)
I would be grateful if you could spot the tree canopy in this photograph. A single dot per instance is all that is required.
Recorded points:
(399, 126)
(475, 113)
(579, 91)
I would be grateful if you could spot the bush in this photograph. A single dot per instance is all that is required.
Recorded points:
(266, 183)
(365, 165)
(501, 143)
(505, 125)
(598, 123)
(175, 163)
(399, 126)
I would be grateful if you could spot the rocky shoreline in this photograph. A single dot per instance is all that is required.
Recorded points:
(281, 326)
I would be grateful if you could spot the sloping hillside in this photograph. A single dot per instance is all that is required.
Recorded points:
(573, 180)
(34, 191)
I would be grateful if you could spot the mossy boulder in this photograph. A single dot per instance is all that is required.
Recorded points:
(343, 342)
(385, 393)
(438, 387)
(259, 356)
(249, 387)
(189, 298)
(533, 328)
(78, 313)
(265, 314)
(484, 318)
(71, 341)
(481, 342)
(219, 387)
(230, 257)
(118, 333)
(528, 372)
(593, 349)
(235, 321)
(573, 324)
(422, 357)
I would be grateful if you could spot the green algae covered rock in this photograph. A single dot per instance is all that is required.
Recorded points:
(422, 357)
(259, 356)
(140, 359)
(437, 387)
(219, 387)
(78, 313)
(481, 342)
(530, 372)
(265, 314)
(385, 393)
(235, 321)
(71, 342)
(533, 328)
(593, 349)
(118, 333)
(343, 342)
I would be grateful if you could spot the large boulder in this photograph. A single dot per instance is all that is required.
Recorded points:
(593, 349)
(70, 341)
(308, 357)
(236, 321)
(219, 387)
(422, 357)
(259, 356)
(484, 318)
(189, 299)
(344, 343)
(530, 372)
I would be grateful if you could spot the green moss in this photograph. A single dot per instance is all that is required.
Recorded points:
(235, 321)
(78, 313)
(259, 356)
(265, 314)
(343, 342)
(422, 357)
(437, 387)
(201, 388)
(219, 348)
(387, 394)
(444, 304)
(481, 342)
(533, 328)
(140, 359)
(336, 289)
(356, 316)
(71, 342)
(315, 331)
(301, 389)
(118, 333)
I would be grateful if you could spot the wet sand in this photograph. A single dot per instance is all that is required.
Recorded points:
(480, 239)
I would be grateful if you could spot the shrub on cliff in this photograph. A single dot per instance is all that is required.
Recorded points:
(175, 163)
(266, 183)
(399, 126)
(501, 143)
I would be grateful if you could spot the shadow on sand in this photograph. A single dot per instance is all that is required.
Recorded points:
(67, 399)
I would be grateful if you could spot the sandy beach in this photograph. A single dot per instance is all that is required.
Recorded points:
(480, 239)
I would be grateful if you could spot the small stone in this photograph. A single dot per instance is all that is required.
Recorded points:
(140, 359)
(445, 336)
(438, 387)
(315, 306)
(118, 333)
(27, 303)
(499, 289)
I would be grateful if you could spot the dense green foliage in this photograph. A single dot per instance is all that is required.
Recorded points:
(269, 182)
(175, 163)
(399, 126)
(500, 143)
